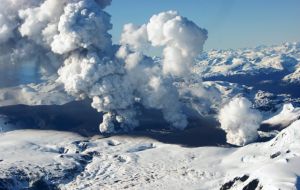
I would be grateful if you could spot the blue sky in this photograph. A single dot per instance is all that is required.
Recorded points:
(230, 23)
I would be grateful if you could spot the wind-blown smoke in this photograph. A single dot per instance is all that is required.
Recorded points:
(72, 37)
(240, 121)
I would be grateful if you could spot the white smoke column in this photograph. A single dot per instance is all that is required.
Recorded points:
(91, 69)
(240, 121)
(182, 41)
(76, 33)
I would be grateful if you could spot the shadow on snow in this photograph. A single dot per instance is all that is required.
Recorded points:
(80, 118)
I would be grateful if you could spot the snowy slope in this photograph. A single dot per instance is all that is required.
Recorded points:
(68, 161)
(293, 77)
(32, 158)
(287, 115)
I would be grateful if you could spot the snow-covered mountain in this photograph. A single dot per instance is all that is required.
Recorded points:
(263, 68)
(293, 77)
(282, 59)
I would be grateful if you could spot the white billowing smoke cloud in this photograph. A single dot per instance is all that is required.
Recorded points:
(136, 37)
(21, 26)
(72, 38)
(8, 17)
(181, 39)
(240, 121)
(83, 25)
(6, 29)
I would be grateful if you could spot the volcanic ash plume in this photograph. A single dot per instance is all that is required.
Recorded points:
(240, 121)
(71, 37)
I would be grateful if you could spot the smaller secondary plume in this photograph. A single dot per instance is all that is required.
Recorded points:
(240, 121)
